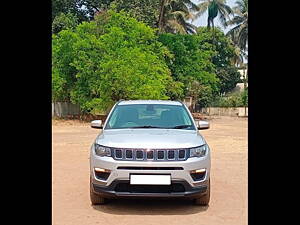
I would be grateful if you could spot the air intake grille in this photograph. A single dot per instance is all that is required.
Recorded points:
(150, 154)
(126, 187)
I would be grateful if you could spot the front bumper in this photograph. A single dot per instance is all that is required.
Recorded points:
(121, 170)
(112, 192)
(123, 174)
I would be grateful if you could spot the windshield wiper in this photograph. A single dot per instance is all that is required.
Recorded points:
(176, 127)
(146, 126)
(180, 127)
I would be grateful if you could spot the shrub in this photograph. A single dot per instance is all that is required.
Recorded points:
(234, 100)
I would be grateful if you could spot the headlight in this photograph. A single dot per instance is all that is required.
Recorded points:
(102, 151)
(199, 151)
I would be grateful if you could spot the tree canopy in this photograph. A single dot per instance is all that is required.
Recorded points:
(106, 50)
(114, 57)
(191, 64)
(223, 57)
(143, 10)
(64, 21)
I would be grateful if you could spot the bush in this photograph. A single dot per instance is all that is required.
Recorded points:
(234, 100)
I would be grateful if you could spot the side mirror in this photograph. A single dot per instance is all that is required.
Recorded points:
(97, 124)
(202, 125)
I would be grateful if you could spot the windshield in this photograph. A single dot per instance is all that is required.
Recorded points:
(150, 116)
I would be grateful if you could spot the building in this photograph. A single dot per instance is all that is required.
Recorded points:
(241, 86)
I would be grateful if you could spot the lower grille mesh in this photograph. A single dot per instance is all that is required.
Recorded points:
(126, 187)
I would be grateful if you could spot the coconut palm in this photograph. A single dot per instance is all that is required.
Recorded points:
(215, 8)
(239, 33)
(238, 58)
(174, 16)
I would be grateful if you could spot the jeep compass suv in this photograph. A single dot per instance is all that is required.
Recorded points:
(150, 148)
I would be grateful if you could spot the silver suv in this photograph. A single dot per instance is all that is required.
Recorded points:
(150, 148)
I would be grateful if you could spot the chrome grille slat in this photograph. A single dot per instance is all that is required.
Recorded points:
(139, 158)
(115, 153)
(184, 156)
(150, 153)
(134, 153)
(171, 153)
(129, 154)
(163, 152)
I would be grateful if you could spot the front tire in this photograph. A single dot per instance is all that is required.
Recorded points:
(96, 199)
(204, 200)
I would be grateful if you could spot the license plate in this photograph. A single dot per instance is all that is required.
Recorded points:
(150, 179)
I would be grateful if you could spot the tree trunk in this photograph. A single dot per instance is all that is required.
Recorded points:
(161, 15)
(213, 30)
(208, 23)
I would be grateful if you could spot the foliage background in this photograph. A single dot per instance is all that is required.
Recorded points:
(114, 57)
(106, 50)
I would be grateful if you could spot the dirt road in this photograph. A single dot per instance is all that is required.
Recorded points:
(70, 182)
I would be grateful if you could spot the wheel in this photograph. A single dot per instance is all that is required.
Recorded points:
(204, 200)
(96, 199)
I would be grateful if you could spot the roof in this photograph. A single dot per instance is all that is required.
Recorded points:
(163, 102)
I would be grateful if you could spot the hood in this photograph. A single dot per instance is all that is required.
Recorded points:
(150, 138)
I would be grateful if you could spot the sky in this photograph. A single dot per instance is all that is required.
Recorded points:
(202, 20)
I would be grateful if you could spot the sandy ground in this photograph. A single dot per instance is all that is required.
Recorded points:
(70, 182)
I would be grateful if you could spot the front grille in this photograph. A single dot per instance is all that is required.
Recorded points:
(150, 154)
(126, 187)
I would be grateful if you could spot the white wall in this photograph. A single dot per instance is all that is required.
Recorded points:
(61, 109)
(220, 111)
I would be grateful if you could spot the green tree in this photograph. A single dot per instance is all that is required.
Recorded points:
(239, 33)
(224, 54)
(63, 72)
(114, 57)
(201, 94)
(238, 58)
(92, 7)
(174, 16)
(64, 21)
(59, 93)
(215, 8)
(146, 11)
(68, 6)
(84, 10)
(192, 65)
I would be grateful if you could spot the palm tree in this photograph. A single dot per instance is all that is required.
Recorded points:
(174, 14)
(238, 58)
(239, 33)
(215, 8)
